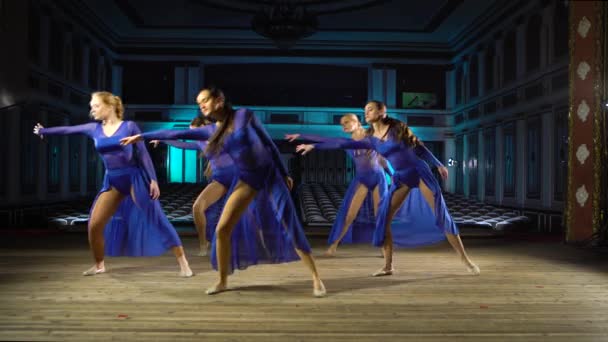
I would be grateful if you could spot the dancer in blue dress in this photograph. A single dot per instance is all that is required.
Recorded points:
(394, 140)
(221, 174)
(261, 171)
(356, 218)
(126, 218)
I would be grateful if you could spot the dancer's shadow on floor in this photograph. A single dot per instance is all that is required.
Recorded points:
(132, 273)
(340, 285)
(348, 284)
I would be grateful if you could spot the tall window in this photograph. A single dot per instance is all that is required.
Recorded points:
(68, 60)
(77, 60)
(459, 85)
(533, 50)
(54, 155)
(56, 47)
(183, 165)
(561, 24)
(34, 35)
(93, 69)
(460, 165)
(509, 160)
(108, 72)
(75, 141)
(561, 154)
(489, 68)
(3, 152)
(472, 164)
(92, 166)
(489, 143)
(29, 154)
(533, 158)
(473, 77)
(509, 64)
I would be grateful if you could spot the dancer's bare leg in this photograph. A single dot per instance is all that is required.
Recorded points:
(212, 193)
(318, 288)
(105, 206)
(235, 206)
(397, 200)
(376, 199)
(351, 215)
(317, 284)
(184, 267)
(454, 240)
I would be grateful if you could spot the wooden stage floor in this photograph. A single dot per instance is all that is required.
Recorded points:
(527, 290)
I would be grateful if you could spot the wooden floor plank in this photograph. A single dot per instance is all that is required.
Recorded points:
(528, 291)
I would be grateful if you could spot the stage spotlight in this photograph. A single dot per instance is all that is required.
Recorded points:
(452, 162)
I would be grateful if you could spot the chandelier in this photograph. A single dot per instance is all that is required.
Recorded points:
(285, 23)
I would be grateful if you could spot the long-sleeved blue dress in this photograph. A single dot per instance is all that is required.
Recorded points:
(269, 229)
(417, 225)
(368, 173)
(139, 227)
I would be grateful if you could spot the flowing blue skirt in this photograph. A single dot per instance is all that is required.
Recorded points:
(139, 227)
(362, 228)
(269, 230)
(415, 224)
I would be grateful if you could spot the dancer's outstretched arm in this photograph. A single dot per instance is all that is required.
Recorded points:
(337, 143)
(309, 137)
(86, 129)
(202, 133)
(184, 145)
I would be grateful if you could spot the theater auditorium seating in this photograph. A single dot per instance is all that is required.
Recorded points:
(318, 205)
(176, 200)
(319, 202)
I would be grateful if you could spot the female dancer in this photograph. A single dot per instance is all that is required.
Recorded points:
(365, 190)
(221, 174)
(126, 218)
(240, 134)
(395, 141)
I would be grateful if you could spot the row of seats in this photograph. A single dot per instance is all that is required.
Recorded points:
(176, 200)
(318, 204)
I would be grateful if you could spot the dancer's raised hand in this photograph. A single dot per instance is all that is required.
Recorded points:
(443, 171)
(291, 137)
(37, 130)
(304, 148)
(154, 190)
(131, 140)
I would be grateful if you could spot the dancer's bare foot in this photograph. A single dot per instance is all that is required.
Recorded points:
(94, 271)
(318, 289)
(331, 251)
(471, 267)
(186, 272)
(383, 272)
(217, 288)
(204, 249)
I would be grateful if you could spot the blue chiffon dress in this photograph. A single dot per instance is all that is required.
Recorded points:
(415, 223)
(270, 229)
(139, 227)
